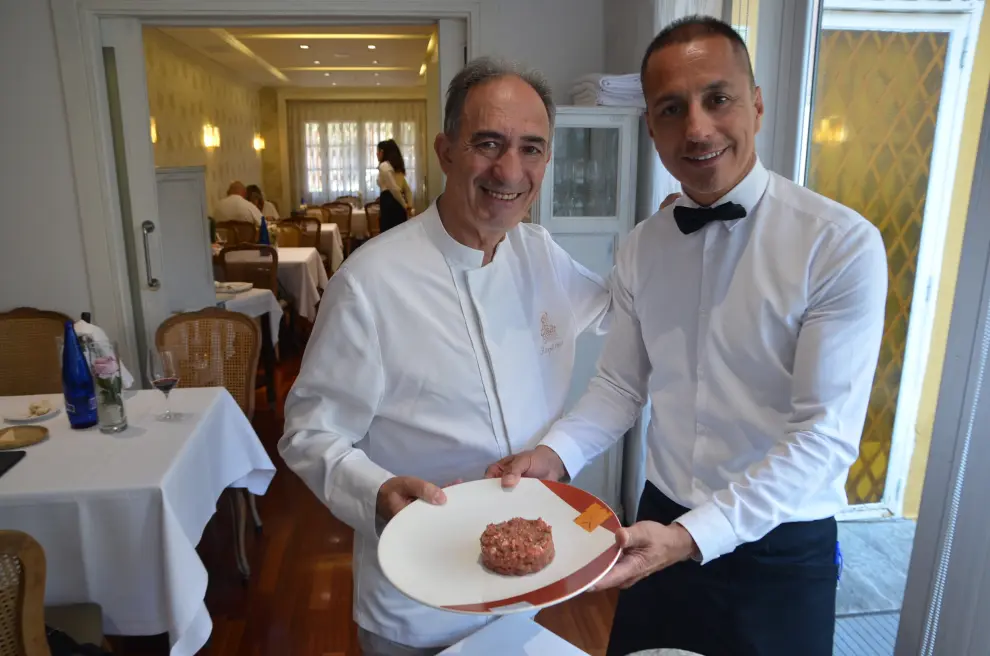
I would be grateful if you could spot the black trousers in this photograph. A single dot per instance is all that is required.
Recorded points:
(773, 597)
(393, 213)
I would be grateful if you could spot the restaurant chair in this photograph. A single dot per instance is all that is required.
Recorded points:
(340, 213)
(290, 234)
(237, 232)
(261, 270)
(353, 201)
(23, 615)
(219, 348)
(29, 358)
(374, 213)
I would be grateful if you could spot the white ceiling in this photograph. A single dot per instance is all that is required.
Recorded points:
(273, 57)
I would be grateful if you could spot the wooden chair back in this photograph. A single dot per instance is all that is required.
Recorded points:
(237, 232)
(253, 263)
(374, 213)
(22, 596)
(214, 348)
(29, 358)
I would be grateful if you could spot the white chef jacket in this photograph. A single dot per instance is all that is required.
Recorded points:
(424, 363)
(757, 342)
(236, 208)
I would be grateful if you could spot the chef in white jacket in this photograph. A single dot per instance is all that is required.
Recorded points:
(442, 345)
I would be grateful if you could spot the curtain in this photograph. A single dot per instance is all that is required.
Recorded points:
(333, 147)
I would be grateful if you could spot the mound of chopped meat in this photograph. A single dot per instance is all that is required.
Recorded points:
(517, 547)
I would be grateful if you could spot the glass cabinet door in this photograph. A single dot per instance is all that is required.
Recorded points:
(586, 171)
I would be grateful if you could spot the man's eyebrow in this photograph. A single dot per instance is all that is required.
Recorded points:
(534, 139)
(717, 85)
(487, 134)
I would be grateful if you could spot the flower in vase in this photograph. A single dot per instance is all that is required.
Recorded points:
(105, 367)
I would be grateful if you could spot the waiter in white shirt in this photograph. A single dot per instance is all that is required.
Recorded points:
(750, 315)
(442, 345)
(236, 207)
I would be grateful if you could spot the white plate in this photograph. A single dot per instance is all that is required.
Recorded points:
(432, 554)
(25, 418)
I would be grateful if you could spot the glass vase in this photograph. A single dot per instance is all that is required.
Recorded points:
(105, 365)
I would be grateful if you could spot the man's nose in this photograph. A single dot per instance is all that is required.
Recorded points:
(699, 125)
(508, 168)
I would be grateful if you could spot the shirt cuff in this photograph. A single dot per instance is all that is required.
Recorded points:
(710, 530)
(568, 451)
(355, 493)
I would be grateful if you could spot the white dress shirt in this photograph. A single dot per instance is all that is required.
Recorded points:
(424, 363)
(757, 342)
(236, 208)
(269, 211)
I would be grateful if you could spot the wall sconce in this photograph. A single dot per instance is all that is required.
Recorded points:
(831, 130)
(259, 142)
(211, 136)
(154, 131)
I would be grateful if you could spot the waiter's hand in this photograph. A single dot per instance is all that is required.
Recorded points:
(398, 492)
(541, 462)
(647, 547)
(669, 199)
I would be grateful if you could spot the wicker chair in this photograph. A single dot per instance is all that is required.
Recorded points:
(290, 234)
(29, 361)
(374, 213)
(237, 232)
(354, 201)
(22, 596)
(340, 213)
(218, 348)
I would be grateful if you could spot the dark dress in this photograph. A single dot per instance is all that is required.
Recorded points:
(393, 212)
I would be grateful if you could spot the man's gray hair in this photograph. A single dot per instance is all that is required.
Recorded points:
(486, 69)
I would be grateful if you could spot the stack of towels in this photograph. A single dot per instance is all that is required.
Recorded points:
(613, 90)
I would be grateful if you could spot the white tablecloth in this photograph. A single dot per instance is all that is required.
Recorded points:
(119, 516)
(331, 244)
(301, 272)
(513, 634)
(255, 303)
(359, 224)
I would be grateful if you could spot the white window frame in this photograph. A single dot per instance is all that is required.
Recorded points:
(790, 139)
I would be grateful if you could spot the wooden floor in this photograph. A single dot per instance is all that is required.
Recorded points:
(298, 600)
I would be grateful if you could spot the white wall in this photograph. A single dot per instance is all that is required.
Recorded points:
(41, 256)
(41, 252)
(564, 39)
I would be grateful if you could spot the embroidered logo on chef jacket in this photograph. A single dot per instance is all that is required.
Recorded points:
(548, 332)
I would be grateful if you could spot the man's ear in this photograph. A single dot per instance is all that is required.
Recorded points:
(442, 145)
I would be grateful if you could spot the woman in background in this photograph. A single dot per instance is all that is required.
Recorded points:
(396, 196)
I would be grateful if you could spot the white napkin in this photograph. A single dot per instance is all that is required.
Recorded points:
(97, 335)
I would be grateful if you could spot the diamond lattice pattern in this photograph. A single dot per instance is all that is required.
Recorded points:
(876, 104)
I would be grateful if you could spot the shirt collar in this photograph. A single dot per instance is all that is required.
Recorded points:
(747, 193)
(456, 253)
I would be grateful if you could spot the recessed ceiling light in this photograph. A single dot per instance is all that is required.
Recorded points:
(303, 46)
(376, 74)
(378, 84)
(333, 84)
(371, 47)
(316, 61)
(326, 75)
(374, 61)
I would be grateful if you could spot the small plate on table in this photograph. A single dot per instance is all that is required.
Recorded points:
(432, 554)
(18, 437)
(34, 412)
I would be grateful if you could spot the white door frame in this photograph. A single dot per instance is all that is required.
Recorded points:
(961, 19)
(79, 45)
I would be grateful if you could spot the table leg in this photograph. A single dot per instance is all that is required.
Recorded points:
(268, 356)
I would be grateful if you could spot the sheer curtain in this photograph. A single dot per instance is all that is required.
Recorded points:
(332, 147)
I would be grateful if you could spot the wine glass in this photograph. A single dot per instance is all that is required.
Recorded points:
(163, 373)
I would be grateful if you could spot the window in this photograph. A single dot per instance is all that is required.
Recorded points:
(342, 157)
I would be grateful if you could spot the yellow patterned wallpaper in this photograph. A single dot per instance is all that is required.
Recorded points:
(187, 91)
(876, 103)
(271, 166)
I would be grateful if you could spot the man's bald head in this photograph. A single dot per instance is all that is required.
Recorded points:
(237, 187)
(689, 28)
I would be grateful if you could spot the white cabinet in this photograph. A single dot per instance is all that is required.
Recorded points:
(187, 257)
(587, 202)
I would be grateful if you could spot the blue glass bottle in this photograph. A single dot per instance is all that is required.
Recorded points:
(263, 236)
(77, 382)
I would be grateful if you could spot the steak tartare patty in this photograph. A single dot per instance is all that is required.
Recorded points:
(517, 547)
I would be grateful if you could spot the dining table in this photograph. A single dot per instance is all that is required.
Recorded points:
(119, 515)
(331, 244)
(300, 273)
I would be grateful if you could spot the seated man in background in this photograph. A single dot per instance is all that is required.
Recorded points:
(442, 345)
(235, 207)
(257, 198)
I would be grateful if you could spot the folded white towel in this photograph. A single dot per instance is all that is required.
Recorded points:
(97, 335)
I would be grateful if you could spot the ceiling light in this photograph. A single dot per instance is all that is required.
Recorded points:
(371, 47)
(374, 61)
(376, 74)
(333, 84)
(326, 75)
(316, 61)
(303, 46)
(378, 84)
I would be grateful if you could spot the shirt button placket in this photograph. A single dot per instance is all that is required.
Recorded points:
(704, 317)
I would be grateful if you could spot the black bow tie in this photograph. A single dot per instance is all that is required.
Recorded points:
(693, 219)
